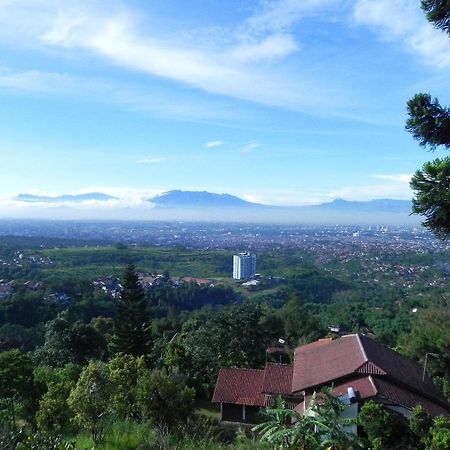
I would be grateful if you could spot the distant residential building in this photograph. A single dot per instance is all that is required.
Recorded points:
(244, 266)
(107, 285)
(5, 290)
(59, 297)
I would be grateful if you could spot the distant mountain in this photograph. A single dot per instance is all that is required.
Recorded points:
(192, 205)
(207, 206)
(379, 206)
(98, 196)
(195, 199)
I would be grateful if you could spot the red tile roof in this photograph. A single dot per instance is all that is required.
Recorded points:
(277, 379)
(405, 397)
(331, 360)
(352, 354)
(364, 387)
(369, 387)
(403, 370)
(354, 361)
(239, 386)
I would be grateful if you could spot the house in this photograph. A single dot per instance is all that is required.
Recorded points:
(6, 289)
(354, 366)
(107, 285)
(59, 297)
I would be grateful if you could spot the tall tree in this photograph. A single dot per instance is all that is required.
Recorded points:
(131, 328)
(429, 123)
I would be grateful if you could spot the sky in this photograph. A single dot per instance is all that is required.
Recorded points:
(285, 102)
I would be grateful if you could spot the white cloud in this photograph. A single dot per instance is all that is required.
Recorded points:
(233, 67)
(154, 160)
(281, 15)
(213, 144)
(403, 21)
(147, 100)
(400, 178)
(36, 81)
(250, 147)
(274, 46)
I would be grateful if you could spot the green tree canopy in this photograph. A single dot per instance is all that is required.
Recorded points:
(90, 399)
(165, 399)
(233, 336)
(131, 327)
(67, 342)
(432, 195)
(16, 379)
(321, 426)
(429, 123)
(299, 326)
(438, 13)
(430, 334)
(125, 374)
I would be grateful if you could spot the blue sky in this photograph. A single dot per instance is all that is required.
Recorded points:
(277, 101)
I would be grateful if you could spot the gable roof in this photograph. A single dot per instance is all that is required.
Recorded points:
(402, 369)
(277, 379)
(325, 361)
(355, 354)
(407, 398)
(370, 368)
(239, 386)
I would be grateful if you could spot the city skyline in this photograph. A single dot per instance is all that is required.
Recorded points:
(304, 100)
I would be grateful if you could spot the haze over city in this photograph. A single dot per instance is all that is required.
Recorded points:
(277, 102)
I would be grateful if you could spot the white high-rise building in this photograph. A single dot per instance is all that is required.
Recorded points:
(244, 266)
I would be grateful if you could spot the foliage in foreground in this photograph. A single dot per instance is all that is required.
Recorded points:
(429, 123)
(320, 427)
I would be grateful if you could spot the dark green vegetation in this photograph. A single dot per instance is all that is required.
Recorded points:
(84, 369)
(429, 123)
(131, 327)
(323, 427)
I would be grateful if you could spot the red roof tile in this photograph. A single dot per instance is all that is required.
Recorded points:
(364, 387)
(405, 397)
(403, 370)
(277, 379)
(354, 361)
(331, 360)
(239, 386)
(351, 354)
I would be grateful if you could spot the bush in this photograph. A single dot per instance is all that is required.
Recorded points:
(165, 399)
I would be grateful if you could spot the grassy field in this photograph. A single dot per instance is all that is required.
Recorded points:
(87, 261)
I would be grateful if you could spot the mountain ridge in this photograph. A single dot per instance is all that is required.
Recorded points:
(180, 198)
(98, 196)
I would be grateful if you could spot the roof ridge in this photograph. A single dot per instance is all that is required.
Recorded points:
(361, 346)
(269, 363)
(250, 369)
(373, 384)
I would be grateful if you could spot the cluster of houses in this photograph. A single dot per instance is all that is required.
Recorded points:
(112, 286)
(7, 287)
(355, 367)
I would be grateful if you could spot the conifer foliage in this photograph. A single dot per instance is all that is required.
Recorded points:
(429, 122)
(131, 328)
